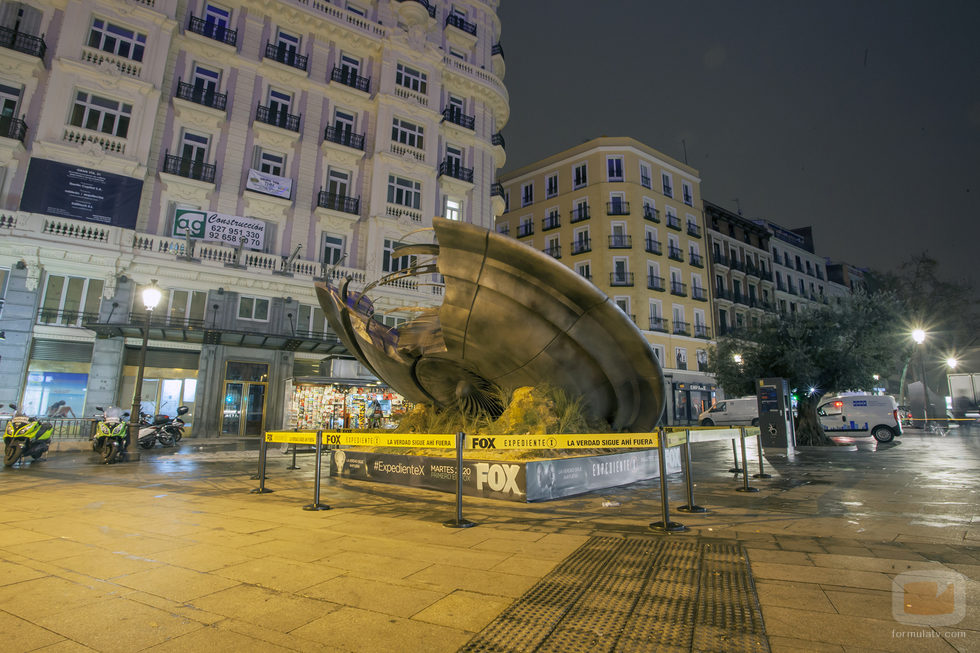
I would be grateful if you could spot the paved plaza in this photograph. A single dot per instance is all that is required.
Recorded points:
(173, 553)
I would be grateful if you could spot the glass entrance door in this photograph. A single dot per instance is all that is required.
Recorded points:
(243, 413)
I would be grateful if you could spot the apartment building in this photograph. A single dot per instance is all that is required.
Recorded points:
(233, 152)
(743, 290)
(628, 218)
(800, 275)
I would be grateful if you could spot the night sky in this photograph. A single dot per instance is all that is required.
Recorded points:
(861, 118)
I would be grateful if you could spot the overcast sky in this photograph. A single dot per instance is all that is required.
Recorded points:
(859, 117)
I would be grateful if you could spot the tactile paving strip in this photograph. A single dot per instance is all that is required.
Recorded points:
(635, 594)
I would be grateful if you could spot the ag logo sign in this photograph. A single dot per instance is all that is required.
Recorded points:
(499, 478)
(189, 222)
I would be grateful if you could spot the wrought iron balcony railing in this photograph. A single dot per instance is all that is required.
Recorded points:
(189, 168)
(452, 169)
(496, 188)
(696, 260)
(620, 241)
(496, 49)
(702, 331)
(682, 328)
(693, 230)
(26, 43)
(551, 222)
(655, 282)
(277, 118)
(457, 117)
(620, 278)
(348, 77)
(581, 246)
(699, 293)
(525, 229)
(617, 208)
(344, 137)
(279, 52)
(658, 324)
(719, 259)
(213, 30)
(497, 139)
(678, 288)
(337, 202)
(553, 251)
(675, 253)
(651, 214)
(579, 213)
(674, 222)
(11, 127)
(653, 246)
(204, 97)
(461, 23)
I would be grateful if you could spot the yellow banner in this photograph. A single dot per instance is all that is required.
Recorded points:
(676, 438)
(340, 438)
(564, 441)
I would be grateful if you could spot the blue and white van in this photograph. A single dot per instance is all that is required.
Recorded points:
(858, 415)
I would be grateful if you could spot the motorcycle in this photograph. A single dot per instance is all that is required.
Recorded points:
(152, 430)
(25, 436)
(175, 428)
(111, 435)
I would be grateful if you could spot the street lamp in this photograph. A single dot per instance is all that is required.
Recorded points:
(151, 297)
(920, 336)
(951, 363)
(737, 358)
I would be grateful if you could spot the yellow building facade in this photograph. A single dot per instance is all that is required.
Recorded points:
(628, 218)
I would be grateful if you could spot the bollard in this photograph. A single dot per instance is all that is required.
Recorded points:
(293, 465)
(690, 507)
(762, 471)
(459, 522)
(665, 526)
(261, 489)
(745, 477)
(736, 469)
(316, 505)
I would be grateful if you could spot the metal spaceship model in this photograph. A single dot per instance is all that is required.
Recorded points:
(511, 316)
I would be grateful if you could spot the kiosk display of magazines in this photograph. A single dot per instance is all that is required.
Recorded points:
(313, 403)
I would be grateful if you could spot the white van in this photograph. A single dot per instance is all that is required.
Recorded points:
(875, 415)
(744, 410)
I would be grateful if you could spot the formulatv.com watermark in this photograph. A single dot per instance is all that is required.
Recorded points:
(928, 597)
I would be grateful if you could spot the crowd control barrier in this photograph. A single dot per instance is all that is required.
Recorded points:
(662, 439)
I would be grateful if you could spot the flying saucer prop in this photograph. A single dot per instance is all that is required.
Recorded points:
(511, 316)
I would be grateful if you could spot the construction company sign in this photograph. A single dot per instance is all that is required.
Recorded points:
(218, 227)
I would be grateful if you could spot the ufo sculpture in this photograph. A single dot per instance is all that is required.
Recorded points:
(511, 316)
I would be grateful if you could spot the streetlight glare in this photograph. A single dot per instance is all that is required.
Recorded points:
(151, 296)
(951, 362)
(919, 336)
(737, 358)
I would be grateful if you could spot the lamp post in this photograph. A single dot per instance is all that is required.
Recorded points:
(151, 297)
(920, 336)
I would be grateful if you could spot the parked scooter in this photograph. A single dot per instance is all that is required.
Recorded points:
(111, 434)
(175, 428)
(25, 436)
(152, 430)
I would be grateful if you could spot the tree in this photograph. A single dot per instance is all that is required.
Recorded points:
(828, 349)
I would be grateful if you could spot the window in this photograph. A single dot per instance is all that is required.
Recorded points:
(194, 147)
(185, 305)
(206, 82)
(216, 18)
(338, 182)
(580, 175)
(624, 304)
(354, 9)
(67, 298)
(280, 104)
(453, 52)
(658, 350)
(551, 185)
(101, 114)
(454, 209)
(688, 193)
(271, 163)
(404, 192)
(390, 263)
(332, 250)
(253, 308)
(287, 44)
(621, 268)
(411, 79)
(454, 159)
(646, 180)
(350, 67)
(407, 133)
(114, 39)
(614, 168)
(527, 193)
(584, 269)
(344, 123)
(668, 184)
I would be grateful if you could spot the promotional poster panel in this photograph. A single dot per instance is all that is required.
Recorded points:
(78, 193)
(218, 227)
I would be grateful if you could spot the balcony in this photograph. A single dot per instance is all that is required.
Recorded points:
(652, 246)
(344, 137)
(735, 264)
(682, 328)
(722, 294)
(693, 230)
(26, 43)
(651, 214)
(668, 190)
(277, 118)
(451, 168)
(620, 241)
(457, 117)
(461, 23)
(496, 189)
(213, 31)
(620, 278)
(525, 229)
(497, 140)
(551, 222)
(655, 283)
(578, 214)
(337, 202)
(791, 290)
(14, 128)
(675, 253)
(350, 78)
(781, 286)
(497, 50)
(554, 251)
(658, 324)
(673, 222)
(719, 259)
(678, 288)
(282, 54)
(696, 260)
(739, 298)
(701, 331)
(581, 246)
(699, 293)
(688, 198)
(204, 97)
(617, 208)
(188, 168)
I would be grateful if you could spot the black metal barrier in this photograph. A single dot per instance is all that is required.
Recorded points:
(261, 489)
(316, 505)
(459, 521)
(665, 525)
